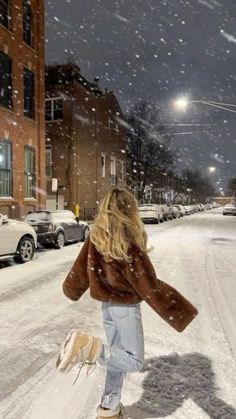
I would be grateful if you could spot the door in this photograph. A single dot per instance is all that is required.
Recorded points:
(75, 230)
(8, 238)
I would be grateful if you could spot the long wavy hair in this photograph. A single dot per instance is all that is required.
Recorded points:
(118, 226)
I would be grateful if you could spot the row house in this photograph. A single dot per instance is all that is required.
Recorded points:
(22, 127)
(85, 141)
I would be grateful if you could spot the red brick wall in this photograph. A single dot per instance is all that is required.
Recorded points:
(77, 144)
(15, 127)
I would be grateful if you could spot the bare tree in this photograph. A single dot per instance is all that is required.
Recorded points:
(232, 185)
(148, 149)
(200, 186)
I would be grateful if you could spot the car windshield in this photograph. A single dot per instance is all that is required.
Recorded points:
(38, 216)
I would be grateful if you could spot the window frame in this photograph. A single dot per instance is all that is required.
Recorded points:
(48, 150)
(29, 190)
(110, 123)
(52, 111)
(113, 176)
(103, 166)
(122, 170)
(27, 23)
(8, 170)
(29, 113)
(7, 101)
(8, 17)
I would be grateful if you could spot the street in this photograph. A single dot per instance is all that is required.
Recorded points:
(186, 375)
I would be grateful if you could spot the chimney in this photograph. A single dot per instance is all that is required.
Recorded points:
(96, 81)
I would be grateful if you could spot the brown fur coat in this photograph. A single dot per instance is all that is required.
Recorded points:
(127, 283)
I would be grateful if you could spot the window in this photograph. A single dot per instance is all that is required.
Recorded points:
(113, 178)
(27, 23)
(5, 80)
(103, 165)
(49, 161)
(28, 93)
(5, 169)
(53, 109)
(29, 185)
(121, 170)
(110, 123)
(5, 13)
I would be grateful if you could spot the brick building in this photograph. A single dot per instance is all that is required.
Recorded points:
(85, 143)
(22, 128)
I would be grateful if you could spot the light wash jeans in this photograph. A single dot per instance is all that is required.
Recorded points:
(124, 351)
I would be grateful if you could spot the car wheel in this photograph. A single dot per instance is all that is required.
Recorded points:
(25, 250)
(60, 240)
(86, 233)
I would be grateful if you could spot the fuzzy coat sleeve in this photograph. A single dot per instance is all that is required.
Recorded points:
(77, 282)
(165, 300)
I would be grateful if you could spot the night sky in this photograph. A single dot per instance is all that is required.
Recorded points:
(159, 50)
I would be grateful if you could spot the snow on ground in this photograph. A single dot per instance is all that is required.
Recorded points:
(186, 375)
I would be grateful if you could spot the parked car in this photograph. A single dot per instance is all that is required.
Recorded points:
(57, 227)
(181, 209)
(167, 213)
(17, 239)
(151, 213)
(175, 211)
(229, 209)
(202, 206)
(188, 209)
(208, 206)
(194, 208)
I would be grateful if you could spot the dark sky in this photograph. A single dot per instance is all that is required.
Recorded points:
(158, 50)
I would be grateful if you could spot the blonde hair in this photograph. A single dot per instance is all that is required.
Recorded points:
(117, 226)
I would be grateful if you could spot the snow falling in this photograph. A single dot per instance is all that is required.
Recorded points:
(157, 53)
(171, 65)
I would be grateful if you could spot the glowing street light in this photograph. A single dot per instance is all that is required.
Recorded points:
(183, 102)
(211, 169)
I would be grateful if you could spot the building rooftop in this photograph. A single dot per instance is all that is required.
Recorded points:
(63, 74)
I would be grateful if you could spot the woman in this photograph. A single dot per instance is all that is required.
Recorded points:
(114, 264)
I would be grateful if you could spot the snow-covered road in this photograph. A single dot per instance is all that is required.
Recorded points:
(186, 375)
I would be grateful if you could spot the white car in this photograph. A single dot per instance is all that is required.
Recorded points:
(151, 213)
(181, 209)
(17, 239)
(229, 209)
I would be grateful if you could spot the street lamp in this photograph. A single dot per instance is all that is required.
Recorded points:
(183, 102)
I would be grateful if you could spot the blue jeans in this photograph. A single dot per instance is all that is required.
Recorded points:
(124, 351)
